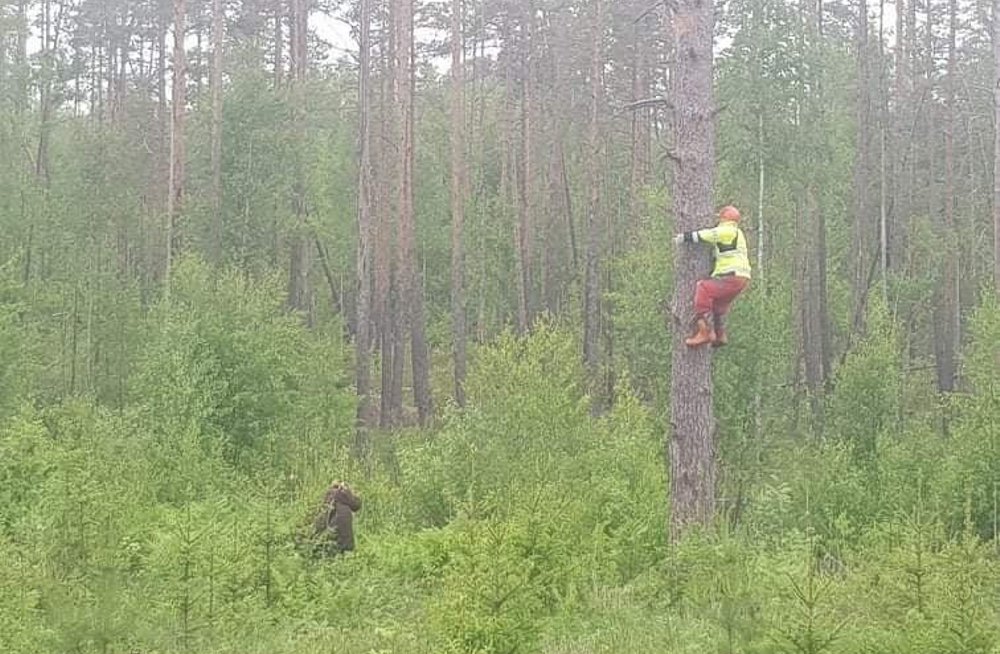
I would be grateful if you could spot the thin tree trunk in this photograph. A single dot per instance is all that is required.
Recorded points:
(814, 349)
(45, 96)
(550, 260)
(862, 169)
(761, 268)
(198, 68)
(21, 51)
(411, 288)
(479, 103)
(161, 84)
(366, 233)
(299, 291)
(900, 186)
(385, 245)
(639, 164)
(336, 295)
(279, 39)
(458, 193)
(123, 61)
(526, 174)
(570, 224)
(883, 223)
(591, 302)
(946, 323)
(996, 145)
(883, 147)
(398, 354)
(175, 199)
(825, 341)
(509, 179)
(218, 21)
(692, 443)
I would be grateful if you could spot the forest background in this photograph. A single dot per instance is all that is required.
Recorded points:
(239, 262)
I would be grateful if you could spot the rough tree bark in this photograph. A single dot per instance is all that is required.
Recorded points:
(692, 423)
(458, 193)
(366, 235)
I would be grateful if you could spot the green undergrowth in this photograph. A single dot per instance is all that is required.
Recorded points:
(519, 524)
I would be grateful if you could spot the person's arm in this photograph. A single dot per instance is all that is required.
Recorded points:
(718, 234)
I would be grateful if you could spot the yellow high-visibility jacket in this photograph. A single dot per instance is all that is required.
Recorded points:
(730, 249)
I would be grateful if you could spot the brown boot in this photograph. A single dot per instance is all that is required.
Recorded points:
(720, 333)
(703, 335)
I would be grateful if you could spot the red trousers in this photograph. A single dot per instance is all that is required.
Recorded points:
(713, 296)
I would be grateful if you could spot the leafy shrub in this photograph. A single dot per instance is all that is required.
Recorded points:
(225, 360)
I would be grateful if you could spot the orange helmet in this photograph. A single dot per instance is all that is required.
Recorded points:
(729, 212)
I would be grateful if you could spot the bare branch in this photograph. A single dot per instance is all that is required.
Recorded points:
(673, 156)
(647, 103)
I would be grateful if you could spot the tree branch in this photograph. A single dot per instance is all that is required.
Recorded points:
(647, 103)
(673, 156)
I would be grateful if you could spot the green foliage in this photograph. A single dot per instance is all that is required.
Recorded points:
(224, 362)
(641, 291)
(971, 480)
(867, 387)
(496, 585)
(521, 524)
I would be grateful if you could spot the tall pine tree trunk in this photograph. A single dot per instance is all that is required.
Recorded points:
(411, 287)
(899, 117)
(386, 273)
(996, 145)
(366, 234)
(883, 153)
(509, 177)
(692, 422)
(592, 281)
(299, 292)
(640, 121)
(218, 20)
(45, 95)
(279, 39)
(946, 325)
(458, 192)
(175, 199)
(526, 173)
(860, 227)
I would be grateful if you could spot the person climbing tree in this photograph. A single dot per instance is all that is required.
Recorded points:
(730, 277)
